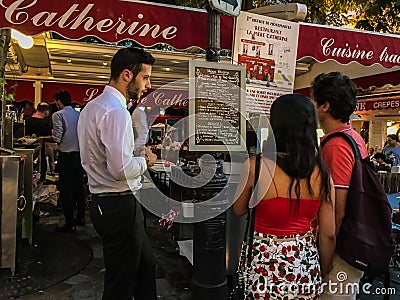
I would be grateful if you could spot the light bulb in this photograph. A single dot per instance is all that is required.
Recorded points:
(24, 41)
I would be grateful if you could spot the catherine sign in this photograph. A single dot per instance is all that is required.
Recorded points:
(268, 48)
(113, 20)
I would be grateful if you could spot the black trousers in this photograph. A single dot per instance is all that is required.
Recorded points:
(128, 256)
(43, 164)
(71, 190)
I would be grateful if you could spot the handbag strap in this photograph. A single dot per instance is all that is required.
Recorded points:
(252, 212)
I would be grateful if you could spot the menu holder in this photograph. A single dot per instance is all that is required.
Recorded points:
(217, 101)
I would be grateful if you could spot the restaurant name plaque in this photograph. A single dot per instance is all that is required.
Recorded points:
(216, 107)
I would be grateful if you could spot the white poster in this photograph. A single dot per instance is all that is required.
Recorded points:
(268, 48)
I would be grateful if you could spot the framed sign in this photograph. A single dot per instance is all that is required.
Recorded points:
(217, 99)
(268, 48)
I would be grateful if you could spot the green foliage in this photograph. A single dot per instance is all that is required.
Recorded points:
(331, 12)
(8, 98)
(380, 15)
(188, 3)
(192, 3)
(374, 15)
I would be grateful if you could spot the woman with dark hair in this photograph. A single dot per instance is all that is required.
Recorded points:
(294, 192)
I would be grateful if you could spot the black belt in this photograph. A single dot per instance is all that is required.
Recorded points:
(69, 153)
(113, 194)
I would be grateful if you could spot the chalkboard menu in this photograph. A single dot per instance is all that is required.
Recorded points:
(216, 105)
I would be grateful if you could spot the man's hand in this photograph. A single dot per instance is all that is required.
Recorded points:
(43, 139)
(150, 157)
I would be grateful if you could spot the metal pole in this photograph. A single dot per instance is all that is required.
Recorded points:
(209, 237)
(5, 36)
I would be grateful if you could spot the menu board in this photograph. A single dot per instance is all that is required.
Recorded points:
(217, 99)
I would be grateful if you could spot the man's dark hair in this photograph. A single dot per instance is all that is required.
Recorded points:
(131, 59)
(339, 91)
(42, 107)
(393, 137)
(380, 155)
(63, 96)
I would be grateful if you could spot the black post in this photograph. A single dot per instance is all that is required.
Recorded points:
(209, 237)
(214, 36)
(209, 247)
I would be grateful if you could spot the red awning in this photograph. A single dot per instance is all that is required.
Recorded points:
(346, 45)
(377, 80)
(114, 20)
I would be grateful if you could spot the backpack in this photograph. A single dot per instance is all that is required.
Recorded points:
(365, 238)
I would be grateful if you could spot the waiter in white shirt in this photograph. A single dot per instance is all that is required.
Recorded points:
(106, 143)
(140, 127)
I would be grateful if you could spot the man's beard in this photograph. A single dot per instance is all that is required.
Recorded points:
(132, 91)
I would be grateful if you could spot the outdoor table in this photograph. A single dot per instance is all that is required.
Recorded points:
(160, 175)
(390, 181)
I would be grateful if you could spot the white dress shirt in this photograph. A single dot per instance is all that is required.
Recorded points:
(140, 128)
(106, 144)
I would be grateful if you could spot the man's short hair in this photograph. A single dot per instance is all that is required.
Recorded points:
(63, 96)
(131, 59)
(380, 155)
(42, 107)
(393, 137)
(339, 91)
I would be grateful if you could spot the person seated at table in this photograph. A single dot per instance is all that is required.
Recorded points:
(380, 160)
(38, 124)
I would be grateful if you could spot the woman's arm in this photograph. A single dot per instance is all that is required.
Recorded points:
(245, 187)
(326, 232)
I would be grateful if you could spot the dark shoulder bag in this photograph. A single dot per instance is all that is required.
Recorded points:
(365, 238)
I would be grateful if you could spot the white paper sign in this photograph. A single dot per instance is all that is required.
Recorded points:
(268, 48)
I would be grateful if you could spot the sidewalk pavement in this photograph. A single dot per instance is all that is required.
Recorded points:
(173, 271)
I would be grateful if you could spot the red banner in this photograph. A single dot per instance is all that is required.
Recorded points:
(22, 90)
(344, 46)
(165, 98)
(381, 103)
(80, 93)
(114, 20)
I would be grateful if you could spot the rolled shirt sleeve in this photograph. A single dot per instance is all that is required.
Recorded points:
(58, 128)
(117, 138)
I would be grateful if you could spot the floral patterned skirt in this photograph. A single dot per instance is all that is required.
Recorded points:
(283, 268)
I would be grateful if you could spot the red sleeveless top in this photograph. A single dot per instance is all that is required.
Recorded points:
(281, 216)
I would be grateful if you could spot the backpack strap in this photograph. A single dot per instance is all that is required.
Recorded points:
(348, 138)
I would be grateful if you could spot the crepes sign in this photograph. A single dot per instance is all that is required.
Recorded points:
(381, 103)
